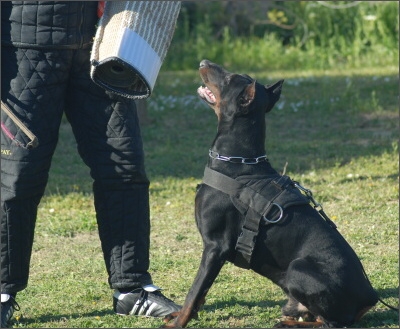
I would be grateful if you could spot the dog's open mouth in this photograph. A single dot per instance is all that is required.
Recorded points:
(206, 95)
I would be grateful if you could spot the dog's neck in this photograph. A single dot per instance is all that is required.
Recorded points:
(243, 136)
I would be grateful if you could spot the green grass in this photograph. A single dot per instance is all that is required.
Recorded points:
(335, 131)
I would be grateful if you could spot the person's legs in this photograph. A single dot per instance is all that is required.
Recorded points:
(108, 135)
(107, 131)
(33, 86)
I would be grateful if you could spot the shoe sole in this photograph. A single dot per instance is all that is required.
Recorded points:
(141, 315)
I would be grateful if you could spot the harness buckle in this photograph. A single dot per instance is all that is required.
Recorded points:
(246, 241)
(317, 206)
(280, 215)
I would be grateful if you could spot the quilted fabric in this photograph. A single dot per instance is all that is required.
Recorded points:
(40, 84)
(52, 24)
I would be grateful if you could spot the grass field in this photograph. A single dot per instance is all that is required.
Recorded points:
(334, 131)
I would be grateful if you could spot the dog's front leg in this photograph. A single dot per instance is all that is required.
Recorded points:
(211, 263)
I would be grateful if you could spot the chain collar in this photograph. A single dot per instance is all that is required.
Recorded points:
(249, 161)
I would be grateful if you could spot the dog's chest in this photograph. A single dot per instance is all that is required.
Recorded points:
(259, 199)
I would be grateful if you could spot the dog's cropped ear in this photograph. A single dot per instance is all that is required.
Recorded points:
(248, 94)
(274, 92)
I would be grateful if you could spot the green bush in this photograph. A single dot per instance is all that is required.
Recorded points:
(322, 37)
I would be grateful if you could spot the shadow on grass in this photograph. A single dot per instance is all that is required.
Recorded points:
(27, 322)
(94, 319)
(378, 319)
(373, 319)
(237, 301)
(388, 292)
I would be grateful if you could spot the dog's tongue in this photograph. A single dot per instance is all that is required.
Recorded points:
(206, 93)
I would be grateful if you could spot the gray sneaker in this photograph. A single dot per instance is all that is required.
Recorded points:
(146, 301)
(8, 306)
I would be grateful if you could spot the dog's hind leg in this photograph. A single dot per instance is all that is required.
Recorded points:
(304, 284)
(301, 324)
(210, 266)
(295, 310)
(323, 293)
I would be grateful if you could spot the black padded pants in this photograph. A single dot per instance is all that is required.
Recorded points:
(39, 86)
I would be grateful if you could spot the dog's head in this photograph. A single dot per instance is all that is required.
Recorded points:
(235, 94)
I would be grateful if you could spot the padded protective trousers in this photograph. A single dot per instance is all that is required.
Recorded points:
(39, 86)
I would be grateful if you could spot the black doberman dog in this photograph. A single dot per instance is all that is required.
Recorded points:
(290, 243)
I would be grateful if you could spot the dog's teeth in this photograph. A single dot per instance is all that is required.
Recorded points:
(210, 94)
(207, 94)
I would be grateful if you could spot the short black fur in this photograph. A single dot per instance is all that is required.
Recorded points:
(305, 256)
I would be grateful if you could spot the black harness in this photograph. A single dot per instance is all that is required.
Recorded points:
(257, 197)
(260, 198)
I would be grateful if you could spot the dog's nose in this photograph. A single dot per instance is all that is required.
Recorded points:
(204, 63)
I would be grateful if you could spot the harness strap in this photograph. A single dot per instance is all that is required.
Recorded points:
(255, 207)
(248, 196)
(221, 182)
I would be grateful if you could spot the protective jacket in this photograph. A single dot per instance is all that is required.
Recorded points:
(45, 69)
(57, 25)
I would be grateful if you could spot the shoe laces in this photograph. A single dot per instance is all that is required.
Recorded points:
(144, 296)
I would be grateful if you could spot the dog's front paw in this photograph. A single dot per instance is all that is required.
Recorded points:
(168, 320)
